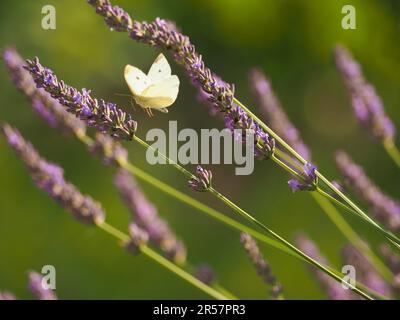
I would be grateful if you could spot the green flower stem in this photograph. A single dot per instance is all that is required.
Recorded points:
(392, 238)
(392, 150)
(144, 249)
(250, 218)
(283, 241)
(342, 225)
(352, 236)
(295, 154)
(286, 167)
(168, 160)
(167, 189)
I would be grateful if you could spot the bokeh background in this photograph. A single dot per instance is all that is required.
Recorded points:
(291, 41)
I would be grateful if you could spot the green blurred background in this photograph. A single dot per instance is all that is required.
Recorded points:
(291, 40)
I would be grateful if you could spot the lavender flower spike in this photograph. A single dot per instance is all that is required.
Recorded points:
(205, 274)
(37, 288)
(393, 261)
(50, 178)
(4, 295)
(47, 107)
(104, 116)
(366, 103)
(274, 114)
(365, 271)
(333, 289)
(202, 181)
(139, 237)
(262, 267)
(146, 217)
(309, 179)
(112, 151)
(383, 207)
(161, 33)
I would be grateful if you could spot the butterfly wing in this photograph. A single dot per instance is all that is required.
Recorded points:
(136, 79)
(160, 70)
(160, 95)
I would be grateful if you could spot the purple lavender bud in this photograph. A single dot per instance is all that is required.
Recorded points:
(309, 179)
(205, 274)
(106, 117)
(365, 272)
(7, 296)
(161, 33)
(50, 178)
(237, 118)
(333, 289)
(202, 181)
(274, 114)
(47, 107)
(138, 238)
(116, 18)
(112, 151)
(366, 103)
(392, 259)
(38, 288)
(383, 207)
(145, 216)
(262, 267)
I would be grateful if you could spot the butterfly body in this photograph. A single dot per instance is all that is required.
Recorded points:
(156, 90)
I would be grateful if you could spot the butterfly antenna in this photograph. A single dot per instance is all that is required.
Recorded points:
(123, 94)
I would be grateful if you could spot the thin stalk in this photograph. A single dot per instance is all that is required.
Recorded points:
(342, 225)
(250, 218)
(295, 154)
(144, 249)
(283, 241)
(180, 196)
(392, 238)
(392, 150)
(352, 236)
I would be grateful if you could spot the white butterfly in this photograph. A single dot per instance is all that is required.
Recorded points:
(156, 90)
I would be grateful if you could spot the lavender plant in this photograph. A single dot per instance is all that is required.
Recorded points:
(112, 151)
(334, 290)
(160, 34)
(366, 273)
(275, 115)
(37, 289)
(50, 178)
(50, 97)
(381, 205)
(367, 105)
(146, 216)
(40, 78)
(262, 267)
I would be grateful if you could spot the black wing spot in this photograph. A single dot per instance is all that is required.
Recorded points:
(159, 70)
(137, 78)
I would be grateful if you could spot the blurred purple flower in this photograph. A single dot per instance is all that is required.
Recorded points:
(365, 272)
(205, 274)
(37, 288)
(381, 205)
(366, 103)
(333, 289)
(4, 295)
(50, 178)
(145, 216)
(262, 267)
(274, 114)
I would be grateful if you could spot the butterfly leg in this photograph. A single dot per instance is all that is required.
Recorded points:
(149, 112)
